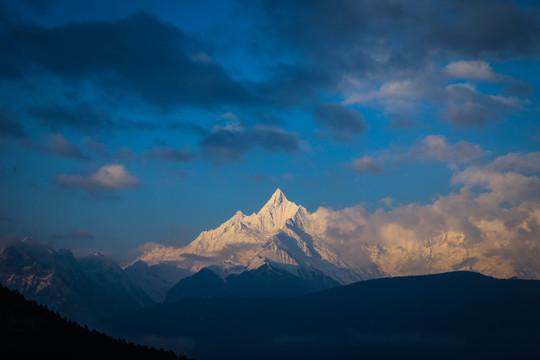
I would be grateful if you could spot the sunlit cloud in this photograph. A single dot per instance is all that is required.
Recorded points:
(490, 225)
(432, 148)
(107, 178)
(437, 148)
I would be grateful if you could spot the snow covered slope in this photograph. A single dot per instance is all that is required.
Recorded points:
(84, 289)
(282, 234)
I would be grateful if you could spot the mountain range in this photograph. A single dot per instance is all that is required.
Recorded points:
(282, 235)
(282, 250)
(84, 289)
(285, 235)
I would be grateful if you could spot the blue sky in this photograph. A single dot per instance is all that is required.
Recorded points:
(137, 122)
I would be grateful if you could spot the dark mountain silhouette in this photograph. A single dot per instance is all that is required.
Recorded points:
(204, 284)
(268, 281)
(31, 331)
(261, 282)
(451, 315)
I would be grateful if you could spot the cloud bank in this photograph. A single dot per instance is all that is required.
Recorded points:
(491, 225)
(164, 73)
(431, 148)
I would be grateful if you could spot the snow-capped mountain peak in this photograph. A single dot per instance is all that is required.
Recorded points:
(277, 199)
(281, 234)
(275, 213)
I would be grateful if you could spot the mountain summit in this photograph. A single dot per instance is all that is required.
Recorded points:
(278, 201)
(278, 198)
(275, 213)
(282, 234)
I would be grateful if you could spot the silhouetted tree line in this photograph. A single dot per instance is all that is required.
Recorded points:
(31, 331)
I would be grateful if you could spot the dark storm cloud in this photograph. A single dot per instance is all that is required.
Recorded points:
(481, 27)
(292, 84)
(224, 144)
(166, 125)
(336, 42)
(166, 153)
(230, 143)
(342, 122)
(81, 116)
(273, 139)
(469, 108)
(345, 29)
(85, 117)
(138, 55)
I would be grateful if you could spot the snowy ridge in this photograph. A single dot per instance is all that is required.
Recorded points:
(83, 289)
(281, 234)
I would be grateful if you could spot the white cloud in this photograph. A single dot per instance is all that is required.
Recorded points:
(504, 186)
(107, 178)
(405, 88)
(528, 163)
(366, 164)
(391, 91)
(437, 148)
(461, 91)
(475, 70)
(491, 225)
(407, 96)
